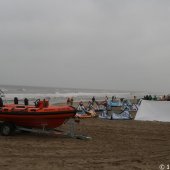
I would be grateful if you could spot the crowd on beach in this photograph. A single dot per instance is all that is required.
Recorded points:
(106, 99)
(159, 98)
(114, 101)
(70, 101)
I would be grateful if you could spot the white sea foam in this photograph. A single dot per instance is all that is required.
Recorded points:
(4, 90)
(60, 94)
(82, 94)
(65, 95)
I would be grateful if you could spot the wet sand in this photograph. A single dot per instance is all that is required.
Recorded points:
(115, 145)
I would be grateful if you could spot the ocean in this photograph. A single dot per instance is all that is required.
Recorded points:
(58, 95)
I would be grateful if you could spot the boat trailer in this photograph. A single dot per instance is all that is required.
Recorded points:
(7, 129)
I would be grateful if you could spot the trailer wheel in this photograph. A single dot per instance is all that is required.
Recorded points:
(7, 129)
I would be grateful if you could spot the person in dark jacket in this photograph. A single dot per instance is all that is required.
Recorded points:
(93, 100)
(1, 102)
(15, 100)
(26, 102)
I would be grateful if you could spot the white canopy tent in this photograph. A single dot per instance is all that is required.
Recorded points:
(154, 111)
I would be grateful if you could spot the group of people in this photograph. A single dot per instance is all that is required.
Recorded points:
(70, 101)
(91, 104)
(160, 98)
(26, 101)
(165, 98)
(149, 97)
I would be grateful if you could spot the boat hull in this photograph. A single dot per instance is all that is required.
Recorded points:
(38, 119)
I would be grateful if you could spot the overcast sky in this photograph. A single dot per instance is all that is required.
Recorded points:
(104, 44)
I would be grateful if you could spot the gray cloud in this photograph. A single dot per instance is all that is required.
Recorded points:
(87, 44)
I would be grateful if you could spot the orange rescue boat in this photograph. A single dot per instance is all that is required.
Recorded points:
(39, 116)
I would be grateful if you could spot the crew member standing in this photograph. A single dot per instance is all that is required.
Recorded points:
(26, 102)
(1, 102)
(15, 100)
(93, 100)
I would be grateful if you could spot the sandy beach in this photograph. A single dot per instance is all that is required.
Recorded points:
(119, 145)
(104, 59)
